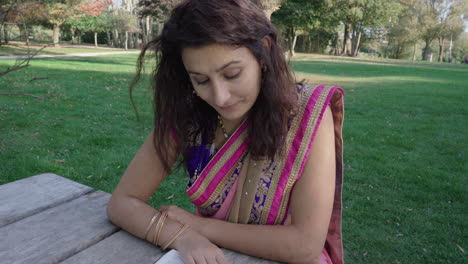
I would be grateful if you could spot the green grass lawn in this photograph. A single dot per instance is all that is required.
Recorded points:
(9, 50)
(405, 143)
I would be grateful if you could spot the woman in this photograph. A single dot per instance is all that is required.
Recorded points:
(264, 155)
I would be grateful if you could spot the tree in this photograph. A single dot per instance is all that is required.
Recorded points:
(405, 32)
(269, 6)
(361, 16)
(298, 17)
(154, 10)
(450, 24)
(93, 20)
(460, 47)
(58, 12)
(121, 22)
(96, 24)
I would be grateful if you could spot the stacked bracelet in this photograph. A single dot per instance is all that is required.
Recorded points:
(151, 224)
(159, 226)
(161, 219)
(175, 236)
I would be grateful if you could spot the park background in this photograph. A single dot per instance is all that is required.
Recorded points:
(399, 61)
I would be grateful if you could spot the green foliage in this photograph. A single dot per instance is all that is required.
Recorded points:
(460, 49)
(158, 9)
(121, 20)
(58, 12)
(302, 15)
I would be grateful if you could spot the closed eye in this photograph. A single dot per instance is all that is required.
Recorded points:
(202, 82)
(233, 76)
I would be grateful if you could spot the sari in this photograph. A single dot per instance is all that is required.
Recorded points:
(262, 195)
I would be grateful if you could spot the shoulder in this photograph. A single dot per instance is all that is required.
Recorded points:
(312, 101)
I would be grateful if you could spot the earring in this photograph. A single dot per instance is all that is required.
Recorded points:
(264, 68)
(194, 92)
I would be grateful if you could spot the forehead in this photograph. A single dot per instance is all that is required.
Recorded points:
(210, 57)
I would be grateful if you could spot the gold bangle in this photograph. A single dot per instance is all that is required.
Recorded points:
(148, 228)
(158, 223)
(159, 227)
(175, 236)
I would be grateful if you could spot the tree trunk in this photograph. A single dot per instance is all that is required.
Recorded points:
(108, 38)
(135, 40)
(160, 28)
(309, 44)
(56, 35)
(450, 49)
(126, 40)
(414, 51)
(292, 42)
(399, 50)
(147, 30)
(5, 33)
(26, 34)
(425, 53)
(337, 44)
(441, 49)
(95, 40)
(115, 37)
(122, 40)
(130, 40)
(72, 33)
(346, 41)
(358, 43)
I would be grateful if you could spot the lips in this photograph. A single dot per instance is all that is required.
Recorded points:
(229, 107)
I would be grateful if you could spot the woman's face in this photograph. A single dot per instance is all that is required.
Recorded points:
(227, 78)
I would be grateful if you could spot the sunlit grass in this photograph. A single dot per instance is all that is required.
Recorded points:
(9, 50)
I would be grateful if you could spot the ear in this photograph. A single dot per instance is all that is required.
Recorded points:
(266, 42)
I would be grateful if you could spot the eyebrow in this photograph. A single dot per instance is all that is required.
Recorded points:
(218, 70)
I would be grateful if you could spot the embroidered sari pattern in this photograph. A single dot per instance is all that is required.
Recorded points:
(261, 193)
(215, 176)
(286, 170)
(212, 208)
(304, 149)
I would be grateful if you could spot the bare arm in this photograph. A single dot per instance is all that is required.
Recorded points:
(311, 204)
(127, 207)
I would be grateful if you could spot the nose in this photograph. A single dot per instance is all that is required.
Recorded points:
(221, 93)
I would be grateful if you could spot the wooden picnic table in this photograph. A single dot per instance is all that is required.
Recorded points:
(50, 219)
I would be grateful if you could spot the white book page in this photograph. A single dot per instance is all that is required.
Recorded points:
(171, 257)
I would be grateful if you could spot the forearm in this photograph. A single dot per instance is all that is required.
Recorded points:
(276, 242)
(134, 215)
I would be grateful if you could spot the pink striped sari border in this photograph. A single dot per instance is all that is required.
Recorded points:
(309, 147)
(329, 96)
(221, 174)
(275, 206)
(216, 158)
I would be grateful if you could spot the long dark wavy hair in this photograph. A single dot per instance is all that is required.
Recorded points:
(195, 23)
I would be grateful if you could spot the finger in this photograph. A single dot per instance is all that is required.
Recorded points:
(199, 259)
(163, 208)
(221, 259)
(188, 260)
(210, 260)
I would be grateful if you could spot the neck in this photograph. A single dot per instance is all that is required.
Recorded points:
(231, 125)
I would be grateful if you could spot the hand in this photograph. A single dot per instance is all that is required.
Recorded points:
(196, 249)
(184, 217)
